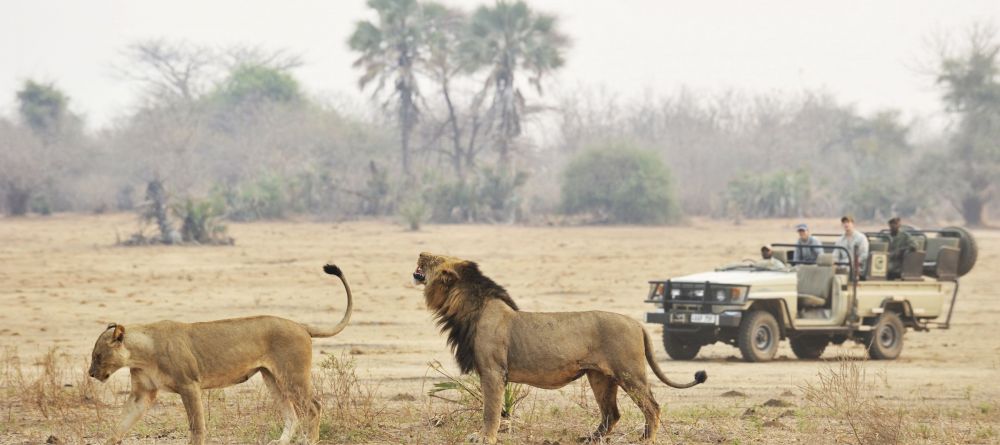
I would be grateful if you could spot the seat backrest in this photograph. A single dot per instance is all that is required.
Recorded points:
(921, 241)
(934, 246)
(913, 265)
(825, 259)
(947, 263)
(814, 280)
(878, 246)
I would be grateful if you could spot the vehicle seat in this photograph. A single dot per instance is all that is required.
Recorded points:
(815, 281)
(934, 246)
(946, 268)
(878, 246)
(913, 266)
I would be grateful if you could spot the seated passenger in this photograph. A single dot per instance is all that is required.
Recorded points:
(900, 243)
(809, 247)
(768, 261)
(856, 244)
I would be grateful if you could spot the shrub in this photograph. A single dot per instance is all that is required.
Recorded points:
(617, 184)
(780, 194)
(200, 221)
(488, 196)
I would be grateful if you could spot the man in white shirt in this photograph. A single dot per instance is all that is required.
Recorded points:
(856, 243)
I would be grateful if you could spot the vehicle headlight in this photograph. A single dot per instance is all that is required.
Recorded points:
(730, 294)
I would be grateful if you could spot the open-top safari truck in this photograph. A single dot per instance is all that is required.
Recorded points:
(754, 304)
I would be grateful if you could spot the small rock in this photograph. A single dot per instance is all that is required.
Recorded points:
(773, 424)
(53, 440)
(732, 394)
(777, 403)
(356, 351)
(401, 397)
(787, 393)
(750, 412)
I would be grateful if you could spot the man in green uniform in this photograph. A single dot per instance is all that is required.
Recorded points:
(900, 242)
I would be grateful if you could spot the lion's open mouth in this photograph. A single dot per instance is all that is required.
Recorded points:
(418, 276)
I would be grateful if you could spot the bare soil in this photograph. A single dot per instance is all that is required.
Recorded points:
(62, 279)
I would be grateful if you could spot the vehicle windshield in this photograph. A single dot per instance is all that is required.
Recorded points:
(756, 265)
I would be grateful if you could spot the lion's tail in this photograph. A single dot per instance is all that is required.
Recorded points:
(699, 377)
(319, 332)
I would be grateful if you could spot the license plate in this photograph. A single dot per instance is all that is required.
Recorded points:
(704, 318)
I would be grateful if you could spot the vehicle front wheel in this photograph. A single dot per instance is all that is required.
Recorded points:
(759, 336)
(680, 347)
(885, 342)
(809, 346)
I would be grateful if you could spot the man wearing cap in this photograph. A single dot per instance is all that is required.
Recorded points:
(900, 242)
(856, 243)
(808, 248)
(768, 261)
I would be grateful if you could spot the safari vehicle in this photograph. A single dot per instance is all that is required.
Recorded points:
(754, 304)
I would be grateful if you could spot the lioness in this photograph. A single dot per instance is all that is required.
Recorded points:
(186, 358)
(490, 336)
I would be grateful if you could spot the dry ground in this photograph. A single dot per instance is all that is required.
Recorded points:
(62, 280)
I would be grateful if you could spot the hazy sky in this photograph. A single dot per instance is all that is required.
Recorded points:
(863, 52)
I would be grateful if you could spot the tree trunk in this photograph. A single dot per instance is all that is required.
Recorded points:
(17, 201)
(972, 210)
(405, 128)
(158, 208)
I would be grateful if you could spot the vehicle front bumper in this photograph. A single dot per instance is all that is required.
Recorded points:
(682, 320)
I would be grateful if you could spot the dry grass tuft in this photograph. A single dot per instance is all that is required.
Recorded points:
(845, 392)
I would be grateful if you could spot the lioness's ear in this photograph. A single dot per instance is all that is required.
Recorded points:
(119, 333)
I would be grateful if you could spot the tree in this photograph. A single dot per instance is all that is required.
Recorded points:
(970, 83)
(619, 184)
(170, 70)
(390, 52)
(44, 109)
(252, 84)
(506, 39)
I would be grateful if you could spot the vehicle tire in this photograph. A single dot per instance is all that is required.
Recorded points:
(680, 347)
(968, 251)
(885, 342)
(759, 336)
(809, 346)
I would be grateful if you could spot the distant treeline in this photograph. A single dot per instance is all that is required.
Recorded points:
(454, 137)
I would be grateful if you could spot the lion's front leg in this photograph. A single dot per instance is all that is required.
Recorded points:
(493, 383)
(137, 404)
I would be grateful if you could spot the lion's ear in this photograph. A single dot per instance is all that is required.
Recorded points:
(119, 333)
(447, 276)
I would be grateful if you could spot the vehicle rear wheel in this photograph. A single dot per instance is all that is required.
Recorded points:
(809, 346)
(968, 251)
(680, 347)
(885, 342)
(758, 336)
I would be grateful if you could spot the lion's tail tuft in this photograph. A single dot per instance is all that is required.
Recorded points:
(700, 376)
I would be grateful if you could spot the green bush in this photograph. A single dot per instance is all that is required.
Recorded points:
(780, 194)
(618, 184)
(200, 221)
(488, 196)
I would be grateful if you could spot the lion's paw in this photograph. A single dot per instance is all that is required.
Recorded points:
(478, 438)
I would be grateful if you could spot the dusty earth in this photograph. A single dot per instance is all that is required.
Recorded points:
(62, 279)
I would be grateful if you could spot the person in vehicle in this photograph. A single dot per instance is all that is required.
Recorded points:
(900, 243)
(856, 244)
(808, 248)
(768, 261)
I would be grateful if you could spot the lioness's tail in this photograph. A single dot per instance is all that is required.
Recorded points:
(699, 377)
(319, 332)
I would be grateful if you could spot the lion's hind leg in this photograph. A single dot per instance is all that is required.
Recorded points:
(638, 390)
(284, 402)
(606, 393)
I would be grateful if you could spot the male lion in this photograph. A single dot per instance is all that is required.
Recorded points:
(491, 336)
(185, 358)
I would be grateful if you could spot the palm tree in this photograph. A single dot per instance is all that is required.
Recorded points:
(510, 38)
(390, 50)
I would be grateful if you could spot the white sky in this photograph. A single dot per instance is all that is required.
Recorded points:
(863, 52)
